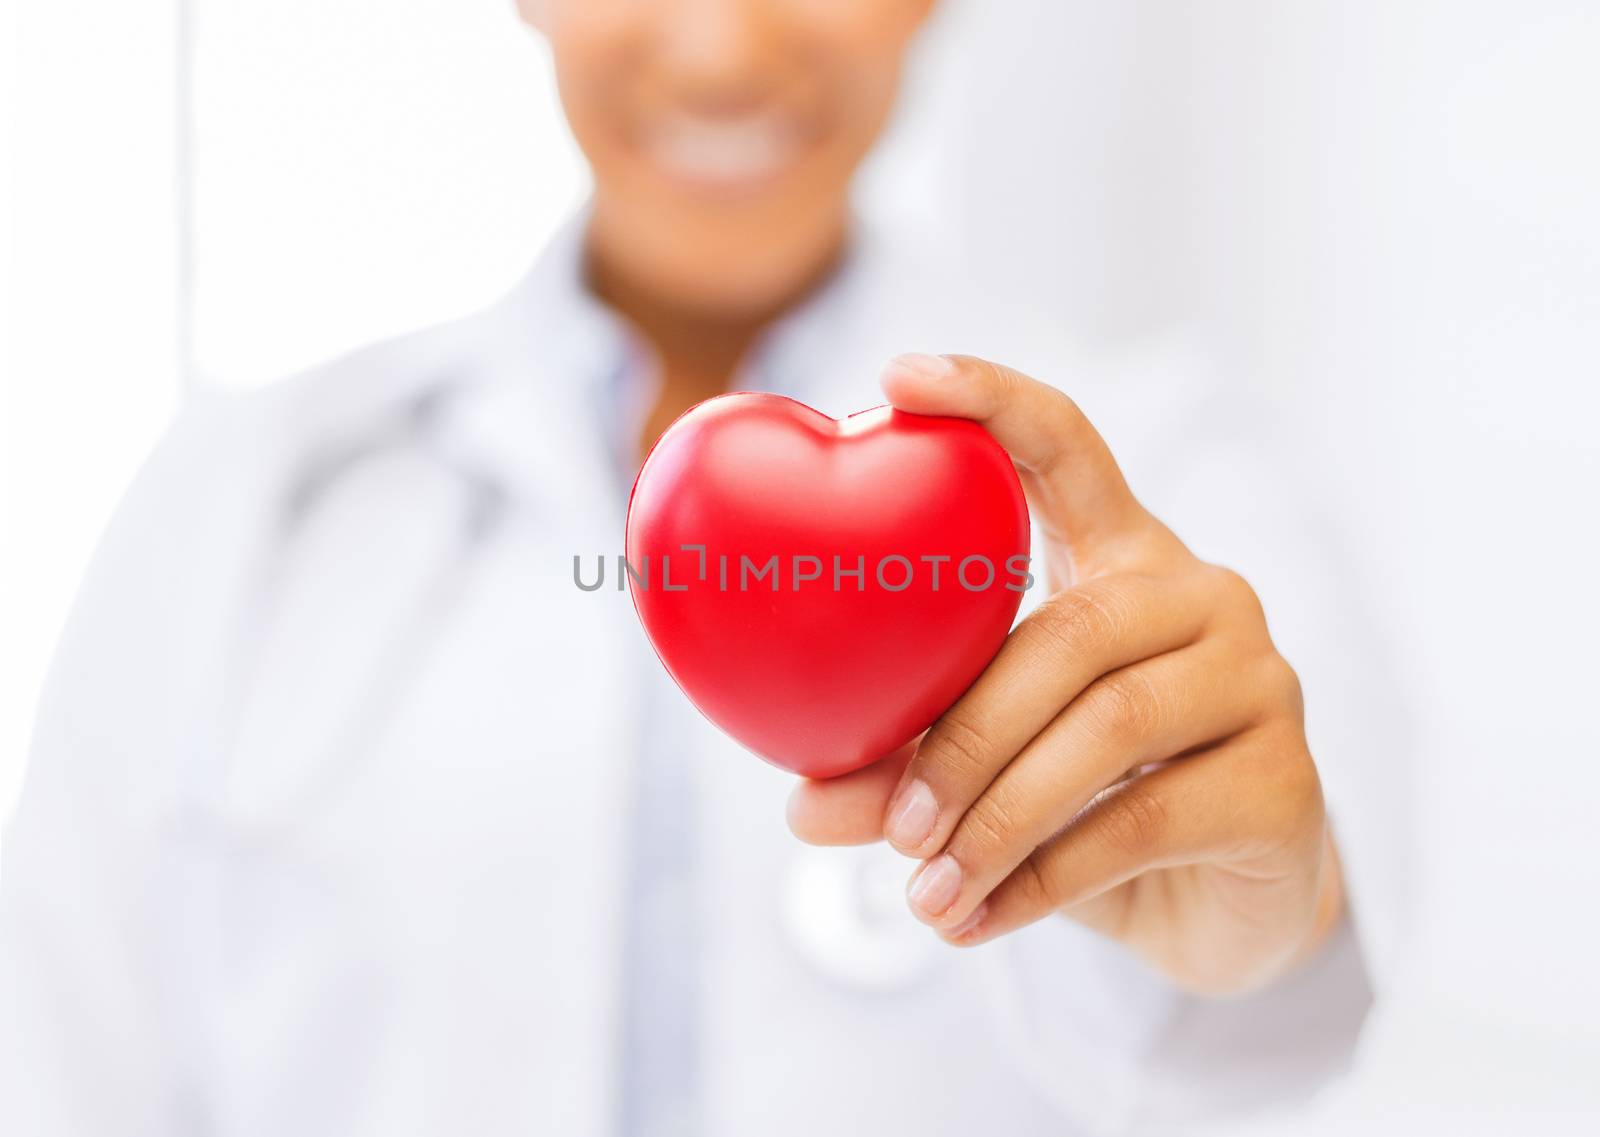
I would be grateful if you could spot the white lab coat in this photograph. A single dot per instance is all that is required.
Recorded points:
(323, 828)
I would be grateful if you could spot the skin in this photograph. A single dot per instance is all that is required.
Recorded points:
(703, 262)
(1134, 758)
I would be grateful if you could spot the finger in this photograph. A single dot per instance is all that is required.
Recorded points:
(1243, 804)
(1073, 483)
(1064, 645)
(1132, 717)
(847, 810)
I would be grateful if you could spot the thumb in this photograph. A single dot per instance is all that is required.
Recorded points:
(847, 810)
(1073, 483)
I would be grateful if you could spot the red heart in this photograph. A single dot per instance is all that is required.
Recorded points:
(820, 679)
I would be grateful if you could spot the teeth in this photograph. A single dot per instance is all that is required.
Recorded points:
(723, 150)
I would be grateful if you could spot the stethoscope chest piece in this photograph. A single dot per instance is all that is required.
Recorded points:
(845, 912)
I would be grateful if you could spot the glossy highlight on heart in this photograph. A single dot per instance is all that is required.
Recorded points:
(822, 590)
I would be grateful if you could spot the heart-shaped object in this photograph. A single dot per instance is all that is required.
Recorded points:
(823, 590)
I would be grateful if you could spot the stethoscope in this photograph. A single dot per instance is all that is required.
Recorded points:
(416, 431)
(842, 910)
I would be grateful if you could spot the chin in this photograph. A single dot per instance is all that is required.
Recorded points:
(750, 255)
(728, 240)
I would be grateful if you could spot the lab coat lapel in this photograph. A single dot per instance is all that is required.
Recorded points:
(453, 826)
(564, 685)
(529, 698)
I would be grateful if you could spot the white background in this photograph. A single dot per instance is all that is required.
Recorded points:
(1384, 216)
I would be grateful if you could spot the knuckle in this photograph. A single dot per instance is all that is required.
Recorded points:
(1300, 790)
(1006, 381)
(1289, 797)
(956, 748)
(1285, 681)
(1066, 417)
(1125, 706)
(1275, 689)
(1134, 820)
(1237, 593)
(993, 824)
(1000, 382)
(1081, 618)
(1032, 884)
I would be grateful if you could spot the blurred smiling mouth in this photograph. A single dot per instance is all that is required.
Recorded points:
(724, 154)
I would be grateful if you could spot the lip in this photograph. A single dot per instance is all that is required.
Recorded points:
(725, 155)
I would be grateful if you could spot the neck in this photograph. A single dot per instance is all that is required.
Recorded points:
(691, 344)
(698, 347)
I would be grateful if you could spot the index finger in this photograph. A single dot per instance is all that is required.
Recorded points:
(1073, 482)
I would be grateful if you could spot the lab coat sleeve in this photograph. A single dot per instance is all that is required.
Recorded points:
(1117, 1047)
(95, 974)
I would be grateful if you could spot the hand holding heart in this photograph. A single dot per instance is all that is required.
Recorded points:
(1133, 758)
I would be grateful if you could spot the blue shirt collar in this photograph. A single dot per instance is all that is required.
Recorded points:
(553, 351)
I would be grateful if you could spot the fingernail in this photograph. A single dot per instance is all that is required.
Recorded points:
(911, 815)
(936, 886)
(933, 366)
(970, 924)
